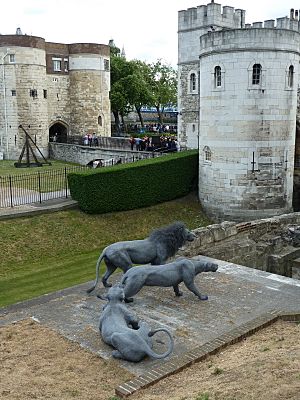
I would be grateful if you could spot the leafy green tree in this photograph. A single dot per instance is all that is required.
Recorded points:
(164, 87)
(118, 94)
(135, 84)
(138, 87)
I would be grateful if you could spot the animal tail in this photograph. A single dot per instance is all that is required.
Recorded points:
(97, 272)
(152, 354)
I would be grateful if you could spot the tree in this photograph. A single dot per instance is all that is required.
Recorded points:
(136, 84)
(118, 95)
(138, 87)
(164, 87)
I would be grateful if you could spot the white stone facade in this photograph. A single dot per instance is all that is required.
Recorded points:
(241, 111)
(51, 87)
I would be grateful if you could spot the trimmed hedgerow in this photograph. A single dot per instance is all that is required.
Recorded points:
(140, 184)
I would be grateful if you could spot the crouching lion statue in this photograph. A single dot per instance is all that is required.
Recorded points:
(121, 329)
(172, 274)
(156, 249)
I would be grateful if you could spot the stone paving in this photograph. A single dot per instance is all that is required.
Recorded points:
(237, 296)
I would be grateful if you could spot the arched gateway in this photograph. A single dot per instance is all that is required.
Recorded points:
(58, 132)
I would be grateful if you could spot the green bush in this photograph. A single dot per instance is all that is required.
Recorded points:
(140, 184)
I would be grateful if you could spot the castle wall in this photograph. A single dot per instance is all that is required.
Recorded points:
(192, 24)
(249, 129)
(89, 95)
(245, 130)
(36, 94)
(20, 106)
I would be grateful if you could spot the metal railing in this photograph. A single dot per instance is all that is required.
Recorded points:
(36, 187)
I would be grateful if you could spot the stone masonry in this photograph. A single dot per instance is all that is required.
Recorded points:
(51, 87)
(237, 103)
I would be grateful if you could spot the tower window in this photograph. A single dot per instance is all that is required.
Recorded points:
(256, 74)
(33, 93)
(207, 153)
(192, 82)
(12, 58)
(218, 76)
(100, 120)
(45, 93)
(291, 76)
(106, 64)
(66, 65)
(13, 92)
(56, 64)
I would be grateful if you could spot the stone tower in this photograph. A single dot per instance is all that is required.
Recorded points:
(238, 105)
(51, 89)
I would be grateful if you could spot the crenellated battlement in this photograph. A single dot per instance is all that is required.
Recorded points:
(211, 15)
(215, 17)
(292, 24)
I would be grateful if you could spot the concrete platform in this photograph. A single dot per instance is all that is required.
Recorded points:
(237, 295)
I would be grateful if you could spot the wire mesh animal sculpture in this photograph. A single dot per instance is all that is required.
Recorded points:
(121, 329)
(170, 275)
(161, 244)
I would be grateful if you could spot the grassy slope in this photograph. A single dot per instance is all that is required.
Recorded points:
(45, 253)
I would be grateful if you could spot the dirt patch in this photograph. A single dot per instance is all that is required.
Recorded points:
(263, 366)
(38, 363)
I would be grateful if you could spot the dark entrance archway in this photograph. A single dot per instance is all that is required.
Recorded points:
(58, 132)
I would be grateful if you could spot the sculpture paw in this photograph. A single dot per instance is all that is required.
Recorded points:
(107, 285)
(203, 297)
(178, 294)
(130, 300)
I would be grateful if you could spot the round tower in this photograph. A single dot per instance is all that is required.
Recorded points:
(247, 122)
(22, 85)
(89, 72)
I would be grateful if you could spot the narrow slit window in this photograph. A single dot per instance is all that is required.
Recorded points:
(291, 76)
(256, 74)
(192, 82)
(218, 76)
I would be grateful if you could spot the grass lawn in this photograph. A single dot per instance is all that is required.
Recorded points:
(41, 254)
(7, 167)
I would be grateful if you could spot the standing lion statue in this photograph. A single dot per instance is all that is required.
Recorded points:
(155, 249)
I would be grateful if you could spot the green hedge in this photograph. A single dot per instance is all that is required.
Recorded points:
(139, 184)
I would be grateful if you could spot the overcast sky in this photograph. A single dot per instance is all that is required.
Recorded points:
(146, 29)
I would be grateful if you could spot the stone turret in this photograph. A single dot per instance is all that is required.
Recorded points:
(237, 104)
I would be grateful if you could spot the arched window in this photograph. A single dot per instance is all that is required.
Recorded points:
(207, 153)
(291, 76)
(218, 76)
(256, 74)
(100, 120)
(192, 82)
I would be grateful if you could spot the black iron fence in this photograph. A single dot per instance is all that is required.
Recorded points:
(36, 187)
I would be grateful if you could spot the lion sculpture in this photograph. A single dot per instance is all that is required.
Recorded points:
(121, 329)
(171, 275)
(155, 249)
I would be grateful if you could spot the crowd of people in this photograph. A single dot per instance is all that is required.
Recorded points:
(159, 128)
(90, 140)
(164, 142)
(148, 143)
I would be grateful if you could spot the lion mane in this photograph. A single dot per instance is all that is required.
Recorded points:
(169, 238)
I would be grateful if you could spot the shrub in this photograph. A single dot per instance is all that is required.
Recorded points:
(140, 184)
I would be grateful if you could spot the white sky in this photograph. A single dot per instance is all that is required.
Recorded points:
(146, 29)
